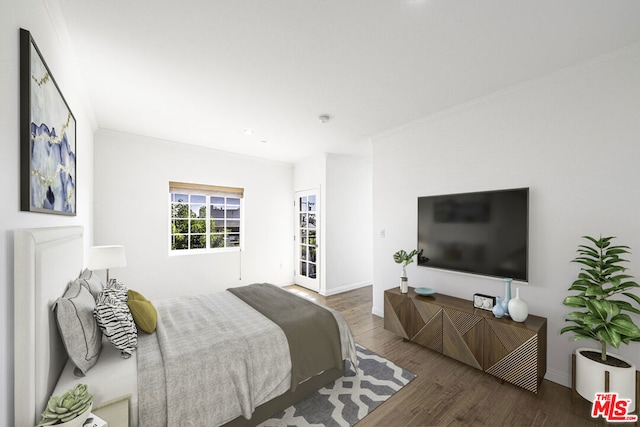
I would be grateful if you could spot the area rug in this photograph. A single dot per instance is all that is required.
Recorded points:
(350, 398)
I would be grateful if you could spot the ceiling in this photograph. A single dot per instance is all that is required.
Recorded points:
(203, 71)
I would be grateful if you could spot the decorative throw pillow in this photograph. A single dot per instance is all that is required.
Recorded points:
(115, 320)
(116, 290)
(143, 312)
(92, 281)
(79, 331)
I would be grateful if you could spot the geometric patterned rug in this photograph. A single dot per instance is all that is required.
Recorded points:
(350, 398)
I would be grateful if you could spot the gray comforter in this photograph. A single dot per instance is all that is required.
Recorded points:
(311, 331)
(212, 359)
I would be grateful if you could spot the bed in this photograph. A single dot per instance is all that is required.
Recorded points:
(47, 259)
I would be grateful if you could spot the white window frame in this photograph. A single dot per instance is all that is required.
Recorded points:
(206, 191)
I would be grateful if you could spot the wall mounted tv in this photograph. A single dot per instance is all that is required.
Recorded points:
(480, 233)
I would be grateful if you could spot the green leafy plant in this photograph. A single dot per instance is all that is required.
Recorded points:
(403, 257)
(600, 283)
(66, 407)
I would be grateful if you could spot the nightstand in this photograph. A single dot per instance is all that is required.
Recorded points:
(115, 412)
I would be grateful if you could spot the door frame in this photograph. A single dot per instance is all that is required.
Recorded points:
(303, 280)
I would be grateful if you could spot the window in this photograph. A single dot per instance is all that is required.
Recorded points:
(205, 217)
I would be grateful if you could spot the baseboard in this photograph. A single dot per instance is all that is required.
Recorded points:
(345, 288)
(557, 377)
(378, 311)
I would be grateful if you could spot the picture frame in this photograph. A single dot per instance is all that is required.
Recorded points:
(48, 180)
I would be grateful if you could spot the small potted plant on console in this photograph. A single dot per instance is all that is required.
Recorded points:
(603, 300)
(404, 258)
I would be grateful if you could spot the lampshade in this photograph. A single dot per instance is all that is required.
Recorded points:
(106, 257)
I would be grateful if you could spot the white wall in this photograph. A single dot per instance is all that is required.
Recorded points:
(345, 218)
(348, 224)
(34, 16)
(132, 177)
(571, 137)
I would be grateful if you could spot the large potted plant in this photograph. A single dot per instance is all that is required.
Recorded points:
(603, 301)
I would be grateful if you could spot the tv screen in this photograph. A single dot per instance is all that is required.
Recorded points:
(481, 233)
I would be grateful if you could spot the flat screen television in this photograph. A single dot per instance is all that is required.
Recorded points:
(483, 233)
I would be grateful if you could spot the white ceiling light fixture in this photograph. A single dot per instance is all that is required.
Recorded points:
(324, 118)
(248, 131)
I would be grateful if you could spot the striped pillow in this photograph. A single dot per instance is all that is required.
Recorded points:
(116, 290)
(114, 318)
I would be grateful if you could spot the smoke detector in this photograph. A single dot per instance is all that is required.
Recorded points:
(324, 118)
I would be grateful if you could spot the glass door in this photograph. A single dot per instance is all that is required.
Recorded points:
(307, 234)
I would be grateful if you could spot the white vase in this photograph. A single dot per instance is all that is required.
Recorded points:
(590, 378)
(518, 308)
(404, 284)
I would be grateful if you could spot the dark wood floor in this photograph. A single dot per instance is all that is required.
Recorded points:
(445, 391)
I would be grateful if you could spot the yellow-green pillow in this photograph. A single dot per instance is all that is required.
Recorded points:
(143, 312)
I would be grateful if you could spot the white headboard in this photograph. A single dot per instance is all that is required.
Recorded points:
(45, 260)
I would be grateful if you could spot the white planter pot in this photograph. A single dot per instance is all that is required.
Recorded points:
(77, 421)
(590, 378)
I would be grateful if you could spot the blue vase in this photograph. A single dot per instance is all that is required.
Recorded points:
(507, 296)
(498, 310)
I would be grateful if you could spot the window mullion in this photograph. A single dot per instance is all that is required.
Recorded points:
(208, 228)
(189, 223)
(224, 225)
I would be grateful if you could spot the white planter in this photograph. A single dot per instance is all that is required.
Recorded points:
(77, 421)
(590, 378)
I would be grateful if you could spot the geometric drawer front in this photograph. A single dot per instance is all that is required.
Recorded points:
(430, 335)
(511, 354)
(502, 339)
(395, 318)
(462, 337)
(520, 366)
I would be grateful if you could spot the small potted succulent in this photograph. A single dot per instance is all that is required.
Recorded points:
(603, 300)
(69, 410)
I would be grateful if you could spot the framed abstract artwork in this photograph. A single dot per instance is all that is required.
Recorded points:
(47, 137)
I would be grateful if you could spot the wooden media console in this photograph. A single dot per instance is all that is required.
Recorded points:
(515, 352)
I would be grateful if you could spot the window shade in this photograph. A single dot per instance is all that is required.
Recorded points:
(207, 190)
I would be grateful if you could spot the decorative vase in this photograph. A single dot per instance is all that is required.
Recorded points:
(590, 376)
(507, 296)
(498, 310)
(518, 308)
(404, 283)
